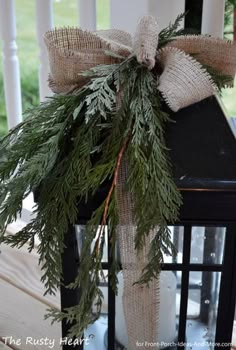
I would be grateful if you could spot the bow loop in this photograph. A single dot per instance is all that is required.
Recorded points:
(72, 51)
(183, 81)
(216, 53)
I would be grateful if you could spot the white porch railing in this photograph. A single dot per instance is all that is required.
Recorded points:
(123, 14)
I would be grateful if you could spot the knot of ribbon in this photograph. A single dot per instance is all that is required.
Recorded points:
(183, 80)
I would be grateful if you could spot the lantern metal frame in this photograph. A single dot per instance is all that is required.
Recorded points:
(208, 208)
(222, 214)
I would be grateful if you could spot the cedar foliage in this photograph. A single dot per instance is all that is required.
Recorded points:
(64, 151)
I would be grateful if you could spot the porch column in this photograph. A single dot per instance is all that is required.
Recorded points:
(213, 17)
(44, 22)
(166, 11)
(125, 14)
(87, 14)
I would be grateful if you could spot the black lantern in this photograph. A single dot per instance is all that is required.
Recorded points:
(203, 146)
(202, 277)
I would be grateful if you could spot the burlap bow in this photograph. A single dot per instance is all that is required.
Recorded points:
(184, 80)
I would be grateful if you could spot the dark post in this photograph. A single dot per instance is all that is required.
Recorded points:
(193, 19)
(226, 308)
(207, 278)
(69, 297)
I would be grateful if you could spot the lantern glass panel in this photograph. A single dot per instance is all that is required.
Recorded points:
(177, 234)
(207, 245)
(80, 234)
(170, 289)
(96, 333)
(202, 309)
(234, 331)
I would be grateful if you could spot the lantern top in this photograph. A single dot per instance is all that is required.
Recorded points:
(202, 143)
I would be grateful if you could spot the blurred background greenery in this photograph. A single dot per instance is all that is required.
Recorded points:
(66, 14)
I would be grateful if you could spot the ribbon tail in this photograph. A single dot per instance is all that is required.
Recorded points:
(184, 81)
(141, 304)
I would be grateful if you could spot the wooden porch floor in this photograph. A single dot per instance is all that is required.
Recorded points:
(22, 304)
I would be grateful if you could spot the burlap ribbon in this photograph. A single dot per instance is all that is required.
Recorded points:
(141, 303)
(183, 81)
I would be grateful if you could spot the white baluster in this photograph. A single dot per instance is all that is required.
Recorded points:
(11, 71)
(87, 14)
(125, 14)
(213, 17)
(166, 11)
(44, 22)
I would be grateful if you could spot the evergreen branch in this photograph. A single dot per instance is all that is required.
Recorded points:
(171, 32)
(161, 245)
(155, 196)
(113, 185)
(222, 81)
